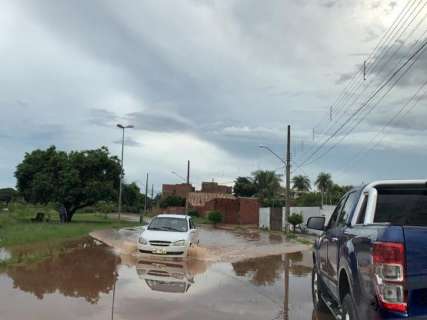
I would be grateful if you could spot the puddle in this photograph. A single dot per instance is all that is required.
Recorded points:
(4, 255)
(94, 282)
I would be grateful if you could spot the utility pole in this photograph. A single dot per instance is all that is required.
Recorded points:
(188, 183)
(121, 175)
(288, 179)
(188, 172)
(141, 217)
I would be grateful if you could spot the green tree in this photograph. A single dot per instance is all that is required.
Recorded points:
(267, 184)
(309, 199)
(301, 183)
(76, 179)
(323, 183)
(244, 187)
(172, 201)
(337, 192)
(7, 195)
(132, 198)
(295, 219)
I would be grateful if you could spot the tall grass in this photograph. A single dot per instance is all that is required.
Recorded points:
(28, 241)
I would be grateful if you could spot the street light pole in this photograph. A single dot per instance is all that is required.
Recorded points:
(121, 162)
(287, 164)
(288, 179)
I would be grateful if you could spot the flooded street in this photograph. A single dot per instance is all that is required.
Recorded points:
(95, 282)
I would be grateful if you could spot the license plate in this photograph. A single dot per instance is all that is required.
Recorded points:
(159, 251)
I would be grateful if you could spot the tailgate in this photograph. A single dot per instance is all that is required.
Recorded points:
(416, 268)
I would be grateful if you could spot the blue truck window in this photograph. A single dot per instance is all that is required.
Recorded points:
(361, 217)
(403, 206)
(349, 206)
(336, 212)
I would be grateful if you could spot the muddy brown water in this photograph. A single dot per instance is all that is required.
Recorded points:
(95, 281)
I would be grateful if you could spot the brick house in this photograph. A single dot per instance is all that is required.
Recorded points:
(214, 187)
(181, 190)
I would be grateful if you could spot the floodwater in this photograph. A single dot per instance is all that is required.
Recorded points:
(95, 281)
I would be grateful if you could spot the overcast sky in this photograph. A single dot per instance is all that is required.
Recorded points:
(202, 80)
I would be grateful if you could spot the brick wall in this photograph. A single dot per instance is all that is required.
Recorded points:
(249, 211)
(234, 211)
(180, 190)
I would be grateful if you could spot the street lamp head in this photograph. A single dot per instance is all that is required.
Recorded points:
(124, 127)
(261, 146)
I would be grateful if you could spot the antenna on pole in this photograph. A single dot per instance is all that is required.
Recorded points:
(314, 136)
(330, 113)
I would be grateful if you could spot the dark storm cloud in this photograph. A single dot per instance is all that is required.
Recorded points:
(228, 75)
(395, 56)
(102, 117)
(411, 114)
(159, 122)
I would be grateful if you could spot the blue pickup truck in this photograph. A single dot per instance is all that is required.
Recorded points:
(371, 260)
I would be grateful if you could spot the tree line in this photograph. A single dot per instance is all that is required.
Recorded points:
(266, 186)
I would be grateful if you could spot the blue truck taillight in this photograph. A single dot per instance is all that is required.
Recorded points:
(389, 262)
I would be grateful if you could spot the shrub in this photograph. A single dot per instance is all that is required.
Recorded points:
(215, 217)
(193, 213)
(295, 219)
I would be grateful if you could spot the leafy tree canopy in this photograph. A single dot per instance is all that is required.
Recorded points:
(244, 187)
(75, 179)
(301, 183)
(172, 201)
(267, 184)
(8, 194)
(324, 181)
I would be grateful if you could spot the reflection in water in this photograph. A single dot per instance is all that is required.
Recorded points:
(169, 276)
(266, 270)
(261, 271)
(85, 272)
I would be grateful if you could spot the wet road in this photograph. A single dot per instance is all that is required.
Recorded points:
(93, 282)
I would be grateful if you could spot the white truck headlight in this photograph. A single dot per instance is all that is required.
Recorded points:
(179, 243)
(142, 241)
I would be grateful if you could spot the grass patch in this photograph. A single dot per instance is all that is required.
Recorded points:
(29, 242)
(201, 220)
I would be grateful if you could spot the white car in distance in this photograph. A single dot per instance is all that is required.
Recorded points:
(168, 235)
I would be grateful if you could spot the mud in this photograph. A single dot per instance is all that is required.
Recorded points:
(95, 281)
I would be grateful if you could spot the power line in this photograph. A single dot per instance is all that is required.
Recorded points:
(381, 87)
(358, 155)
(357, 84)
